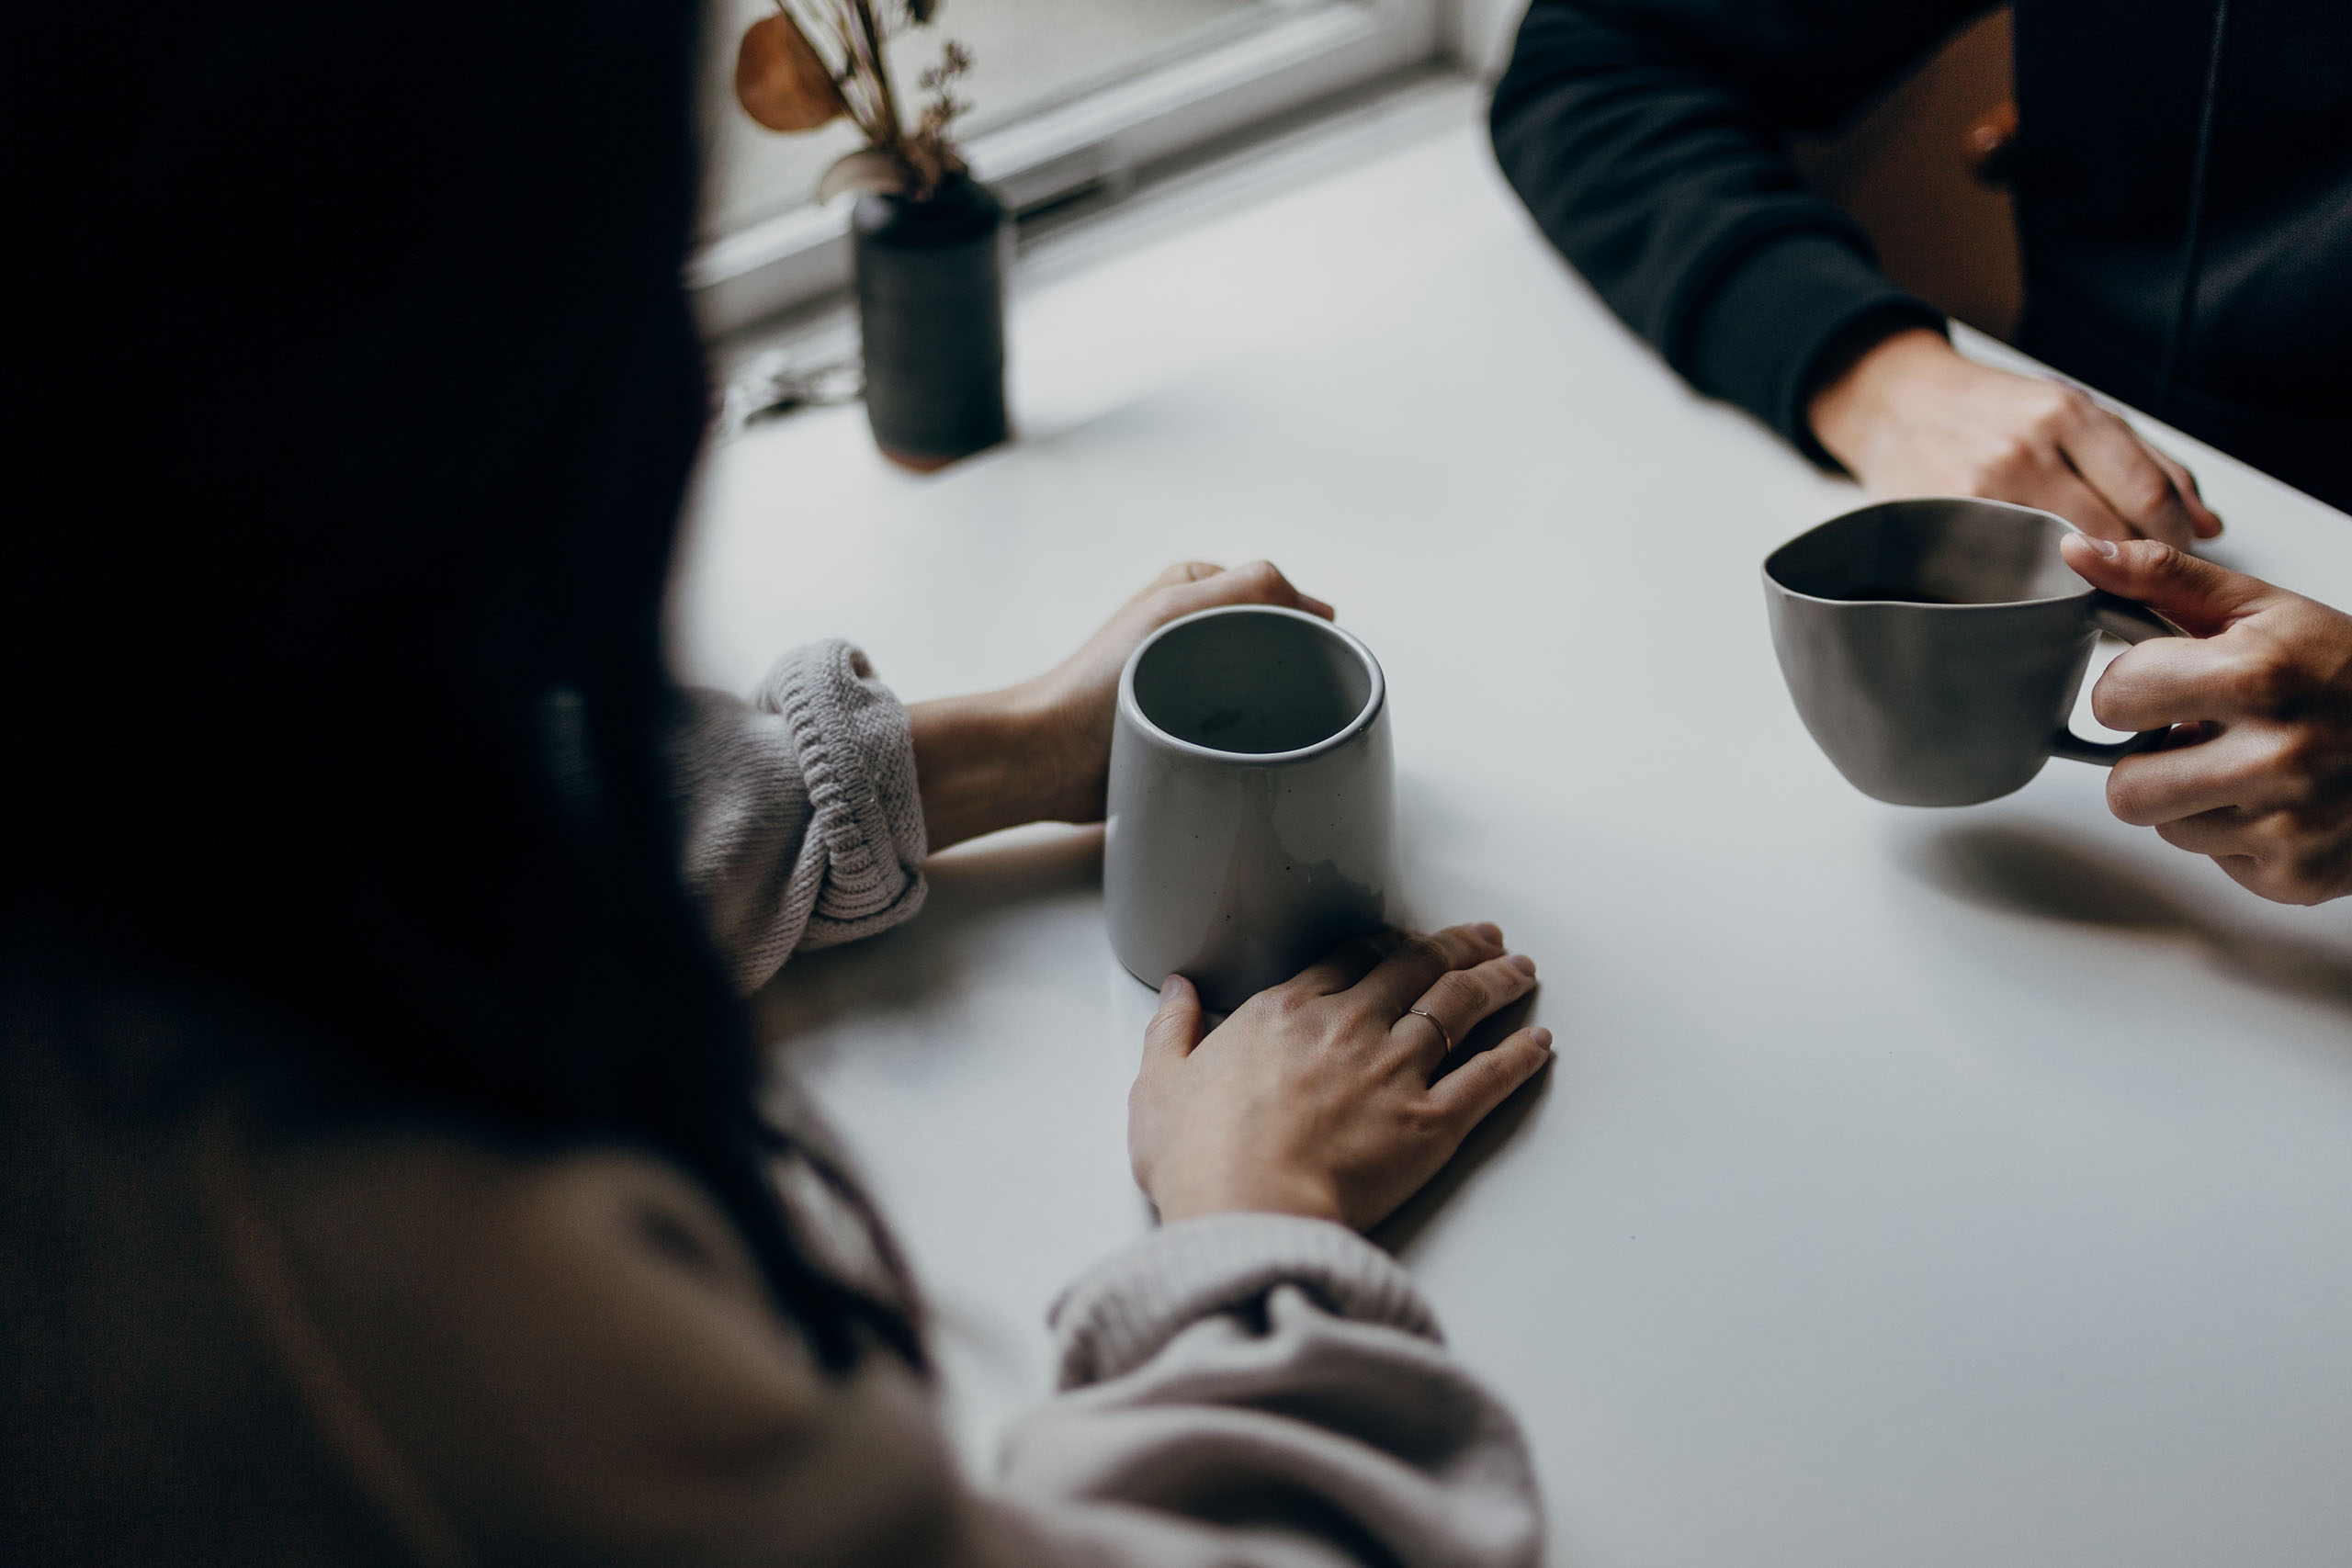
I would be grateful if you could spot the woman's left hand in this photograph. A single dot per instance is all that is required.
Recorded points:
(1041, 751)
(1322, 1096)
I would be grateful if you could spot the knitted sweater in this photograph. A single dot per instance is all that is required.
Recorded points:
(409, 1343)
(803, 825)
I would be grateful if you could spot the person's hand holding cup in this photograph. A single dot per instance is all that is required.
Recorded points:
(1040, 751)
(2258, 774)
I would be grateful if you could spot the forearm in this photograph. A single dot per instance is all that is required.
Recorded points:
(1647, 137)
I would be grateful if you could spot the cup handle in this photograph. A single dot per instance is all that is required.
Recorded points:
(2134, 623)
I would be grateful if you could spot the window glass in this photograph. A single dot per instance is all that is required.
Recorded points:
(1027, 54)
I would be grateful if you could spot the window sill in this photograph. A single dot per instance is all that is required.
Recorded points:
(1096, 143)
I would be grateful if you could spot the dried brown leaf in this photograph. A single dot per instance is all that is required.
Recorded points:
(864, 170)
(781, 80)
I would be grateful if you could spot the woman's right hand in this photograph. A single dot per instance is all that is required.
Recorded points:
(1316, 1097)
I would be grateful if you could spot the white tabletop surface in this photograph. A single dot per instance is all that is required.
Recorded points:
(1911, 1187)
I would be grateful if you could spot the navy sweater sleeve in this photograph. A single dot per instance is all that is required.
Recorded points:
(1649, 139)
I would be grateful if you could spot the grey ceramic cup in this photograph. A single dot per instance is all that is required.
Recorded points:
(1934, 647)
(1253, 801)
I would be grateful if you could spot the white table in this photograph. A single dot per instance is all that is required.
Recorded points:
(1921, 1188)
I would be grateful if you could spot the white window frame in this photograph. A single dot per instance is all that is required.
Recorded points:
(1096, 141)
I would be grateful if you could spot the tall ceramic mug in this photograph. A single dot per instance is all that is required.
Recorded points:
(1934, 648)
(1253, 801)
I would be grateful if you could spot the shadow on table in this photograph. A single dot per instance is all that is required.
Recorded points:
(906, 968)
(1401, 1229)
(2025, 871)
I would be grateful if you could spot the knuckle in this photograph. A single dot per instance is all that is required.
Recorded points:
(1427, 1118)
(2258, 774)
(2273, 840)
(2061, 406)
(1457, 991)
(1472, 942)
(2293, 758)
(2262, 683)
(1423, 949)
(2043, 427)
(1170, 587)
(2314, 876)
(2000, 465)
(1499, 980)
(1488, 1076)
(2145, 495)
(1285, 1001)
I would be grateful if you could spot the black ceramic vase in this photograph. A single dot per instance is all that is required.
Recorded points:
(930, 307)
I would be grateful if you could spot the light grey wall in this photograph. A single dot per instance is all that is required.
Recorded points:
(1479, 32)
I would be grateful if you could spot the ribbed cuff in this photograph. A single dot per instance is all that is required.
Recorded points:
(856, 749)
(1790, 303)
(1119, 1314)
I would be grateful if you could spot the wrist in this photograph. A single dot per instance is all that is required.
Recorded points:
(1859, 400)
(1266, 1192)
(982, 763)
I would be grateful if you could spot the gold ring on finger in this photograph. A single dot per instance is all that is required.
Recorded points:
(1442, 1032)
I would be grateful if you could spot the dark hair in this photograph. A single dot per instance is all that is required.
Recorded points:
(359, 399)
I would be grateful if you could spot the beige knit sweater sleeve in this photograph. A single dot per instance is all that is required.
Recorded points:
(1260, 1391)
(803, 823)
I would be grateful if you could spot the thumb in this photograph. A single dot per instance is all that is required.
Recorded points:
(2197, 595)
(1175, 1029)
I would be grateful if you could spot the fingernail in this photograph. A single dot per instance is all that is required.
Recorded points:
(1489, 930)
(2106, 547)
(1542, 1037)
(1524, 964)
(1169, 986)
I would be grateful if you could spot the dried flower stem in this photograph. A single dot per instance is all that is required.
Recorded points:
(853, 32)
(889, 102)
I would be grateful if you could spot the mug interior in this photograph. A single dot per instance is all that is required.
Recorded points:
(1252, 681)
(1937, 551)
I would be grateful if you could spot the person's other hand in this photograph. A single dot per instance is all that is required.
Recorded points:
(1911, 416)
(1041, 752)
(1080, 697)
(1317, 1097)
(2262, 780)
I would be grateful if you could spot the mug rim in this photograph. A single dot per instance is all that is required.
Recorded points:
(1374, 700)
(2047, 516)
